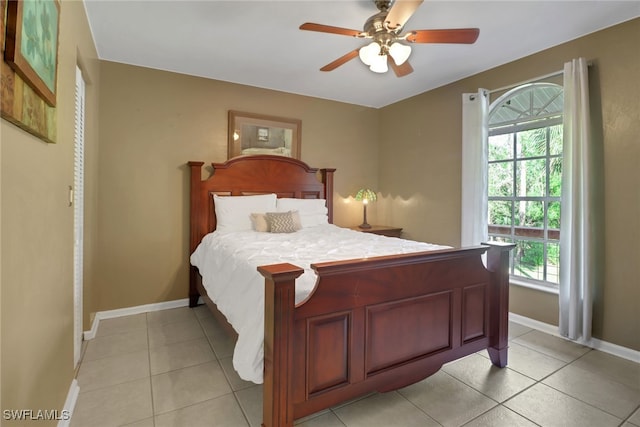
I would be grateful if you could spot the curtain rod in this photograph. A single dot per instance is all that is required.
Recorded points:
(535, 79)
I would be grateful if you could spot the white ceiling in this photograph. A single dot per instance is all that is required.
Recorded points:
(258, 43)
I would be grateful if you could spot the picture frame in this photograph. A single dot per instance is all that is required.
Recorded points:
(31, 44)
(263, 134)
(257, 134)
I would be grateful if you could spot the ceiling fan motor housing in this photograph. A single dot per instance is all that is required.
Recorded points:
(376, 24)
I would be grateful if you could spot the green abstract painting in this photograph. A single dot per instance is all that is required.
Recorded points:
(40, 39)
(32, 44)
(27, 96)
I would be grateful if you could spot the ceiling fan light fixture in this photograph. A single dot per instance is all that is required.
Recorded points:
(373, 56)
(369, 53)
(399, 52)
(379, 64)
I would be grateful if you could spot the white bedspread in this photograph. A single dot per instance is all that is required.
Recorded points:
(227, 262)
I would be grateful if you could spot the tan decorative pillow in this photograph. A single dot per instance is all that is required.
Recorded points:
(259, 222)
(283, 222)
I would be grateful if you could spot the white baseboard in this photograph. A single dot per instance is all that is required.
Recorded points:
(595, 343)
(128, 311)
(534, 324)
(70, 404)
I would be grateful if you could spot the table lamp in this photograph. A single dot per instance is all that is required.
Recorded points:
(365, 196)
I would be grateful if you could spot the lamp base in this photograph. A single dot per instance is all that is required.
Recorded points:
(364, 225)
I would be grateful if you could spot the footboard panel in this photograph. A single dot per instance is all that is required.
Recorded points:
(328, 352)
(377, 325)
(400, 331)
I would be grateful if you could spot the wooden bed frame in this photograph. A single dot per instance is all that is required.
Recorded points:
(373, 324)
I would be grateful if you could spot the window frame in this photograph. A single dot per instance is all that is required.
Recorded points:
(527, 120)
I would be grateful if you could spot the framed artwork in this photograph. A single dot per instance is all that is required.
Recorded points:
(31, 48)
(253, 134)
(263, 134)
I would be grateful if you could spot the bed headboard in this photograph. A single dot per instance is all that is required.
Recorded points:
(250, 175)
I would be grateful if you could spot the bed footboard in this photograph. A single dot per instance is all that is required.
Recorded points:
(378, 324)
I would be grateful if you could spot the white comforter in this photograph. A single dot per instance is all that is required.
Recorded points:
(227, 262)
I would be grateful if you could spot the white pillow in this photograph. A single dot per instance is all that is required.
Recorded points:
(233, 213)
(312, 211)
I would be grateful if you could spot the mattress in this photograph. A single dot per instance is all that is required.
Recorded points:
(228, 261)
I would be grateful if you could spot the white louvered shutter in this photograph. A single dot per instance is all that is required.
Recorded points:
(78, 214)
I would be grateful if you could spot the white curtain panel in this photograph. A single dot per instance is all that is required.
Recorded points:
(578, 235)
(475, 132)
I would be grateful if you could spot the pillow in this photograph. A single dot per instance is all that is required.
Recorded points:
(283, 222)
(259, 222)
(233, 213)
(312, 211)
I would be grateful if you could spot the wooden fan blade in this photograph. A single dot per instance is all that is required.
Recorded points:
(310, 26)
(459, 35)
(338, 62)
(401, 11)
(400, 70)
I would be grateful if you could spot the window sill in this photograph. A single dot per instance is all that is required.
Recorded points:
(533, 285)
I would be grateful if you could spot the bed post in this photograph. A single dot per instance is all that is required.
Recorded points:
(327, 180)
(279, 305)
(498, 265)
(195, 224)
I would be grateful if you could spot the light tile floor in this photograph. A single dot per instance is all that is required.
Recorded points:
(173, 368)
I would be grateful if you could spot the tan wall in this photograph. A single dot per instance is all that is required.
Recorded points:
(420, 174)
(37, 236)
(152, 122)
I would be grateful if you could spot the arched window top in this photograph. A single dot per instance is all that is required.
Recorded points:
(529, 103)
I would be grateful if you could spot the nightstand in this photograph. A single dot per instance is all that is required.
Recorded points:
(383, 230)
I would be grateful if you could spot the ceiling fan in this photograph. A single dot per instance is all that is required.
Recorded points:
(384, 29)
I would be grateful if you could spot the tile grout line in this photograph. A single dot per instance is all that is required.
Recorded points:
(335, 414)
(567, 364)
(535, 347)
(536, 381)
(541, 383)
(626, 420)
(153, 408)
(215, 355)
(82, 360)
(586, 403)
(501, 404)
(419, 408)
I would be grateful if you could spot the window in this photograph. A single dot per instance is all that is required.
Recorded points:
(525, 176)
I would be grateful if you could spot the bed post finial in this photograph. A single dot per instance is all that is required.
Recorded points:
(498, 265)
